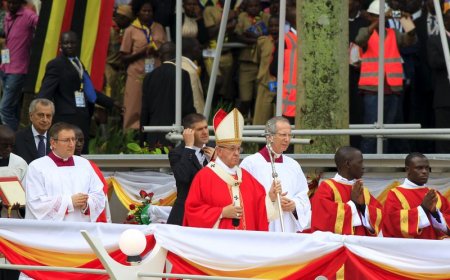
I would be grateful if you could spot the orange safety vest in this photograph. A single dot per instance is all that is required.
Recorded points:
(289, 96)
(393, 68)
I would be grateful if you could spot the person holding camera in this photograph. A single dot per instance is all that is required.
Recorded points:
(368, 39)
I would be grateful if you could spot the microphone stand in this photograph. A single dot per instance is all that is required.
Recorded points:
(275, 179)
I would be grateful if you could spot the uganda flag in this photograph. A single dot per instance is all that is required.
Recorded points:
(90, 19)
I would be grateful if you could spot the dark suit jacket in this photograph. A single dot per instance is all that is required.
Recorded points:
(158, 101)
(25, 145)
(437, 64)
(59, 84)
(185, 165)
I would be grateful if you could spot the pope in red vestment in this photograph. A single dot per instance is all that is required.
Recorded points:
(222, 195)
(209, 194)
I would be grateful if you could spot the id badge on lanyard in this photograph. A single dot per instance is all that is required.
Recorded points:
(6, 59)
(149, 65)
(80, 102)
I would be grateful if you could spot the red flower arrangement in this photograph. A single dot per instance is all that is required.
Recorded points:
(138, 214)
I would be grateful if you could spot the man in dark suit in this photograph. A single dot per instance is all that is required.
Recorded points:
(441, 101)
(187, 159)
(32, 141)
(158, 96)
(67, 83)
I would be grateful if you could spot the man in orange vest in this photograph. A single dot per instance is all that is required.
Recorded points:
(393, 69)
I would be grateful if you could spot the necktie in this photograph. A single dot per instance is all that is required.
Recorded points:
(202, 155)
(41, 146)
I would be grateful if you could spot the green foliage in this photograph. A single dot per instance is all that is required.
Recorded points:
(118, 141)
(134, 148)
(114, 141)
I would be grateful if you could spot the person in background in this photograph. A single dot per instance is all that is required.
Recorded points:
(289, 95)
(368, 39)
(192, 54)
(11, 165)
(19, 26)
(441, 98)
(67, 83)
(356, 20)
(158, 99)
(193, 25)
(266, 91)
(251, 24)
(114, 68)
(33, 141)
(212, 16)
(62, 186)
(187, 159)
(140, 43)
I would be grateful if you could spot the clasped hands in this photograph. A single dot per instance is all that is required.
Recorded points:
(79, 200)
(429, 201)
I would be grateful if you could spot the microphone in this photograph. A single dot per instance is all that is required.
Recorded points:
(236, 222)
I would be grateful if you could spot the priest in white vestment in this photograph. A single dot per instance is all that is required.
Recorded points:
(295, 203)
(62, 186)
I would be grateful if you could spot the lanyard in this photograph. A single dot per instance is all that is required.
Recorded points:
(79, 69)
(148, 35)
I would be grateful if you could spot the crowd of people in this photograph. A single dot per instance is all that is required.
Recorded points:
(140, 66)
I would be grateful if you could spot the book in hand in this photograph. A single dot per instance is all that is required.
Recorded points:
(11, 191)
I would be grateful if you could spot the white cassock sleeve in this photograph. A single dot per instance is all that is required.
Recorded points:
(97, 198)
(43, 203)
(302, 204)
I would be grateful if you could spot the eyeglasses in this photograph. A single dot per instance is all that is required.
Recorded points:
(67, 140)
(284, 135)
(232, 148)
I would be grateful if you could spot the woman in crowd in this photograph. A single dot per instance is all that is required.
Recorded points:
(139, 48)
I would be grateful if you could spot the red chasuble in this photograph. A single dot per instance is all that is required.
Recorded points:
(209, 194)
(330, 211)
(401, 216)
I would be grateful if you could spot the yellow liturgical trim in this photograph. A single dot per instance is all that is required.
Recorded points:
(404, 214)
(340, 215)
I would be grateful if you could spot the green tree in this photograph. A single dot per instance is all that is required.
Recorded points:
(322, 87)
